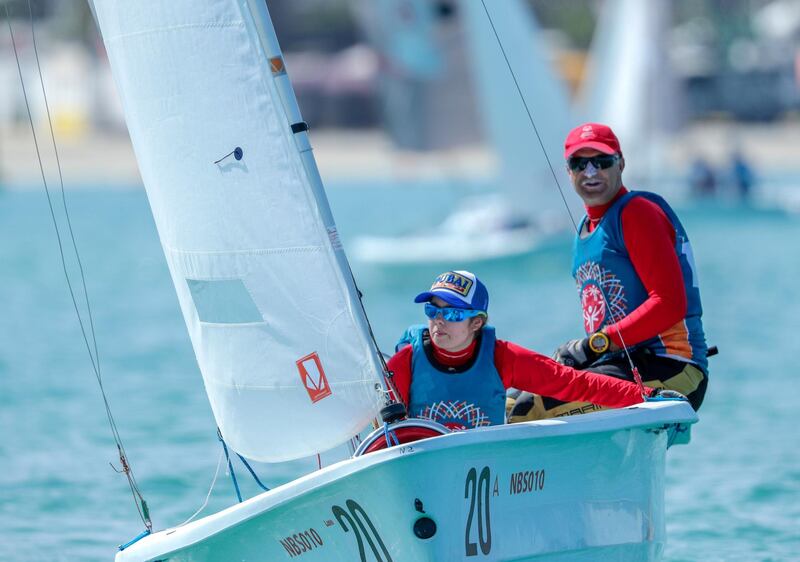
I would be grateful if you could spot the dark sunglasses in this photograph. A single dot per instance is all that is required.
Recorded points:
(599, 161)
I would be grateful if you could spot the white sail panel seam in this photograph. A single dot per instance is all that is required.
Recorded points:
(292, 387)
(254, 251)
(157, 30)
(230, 325)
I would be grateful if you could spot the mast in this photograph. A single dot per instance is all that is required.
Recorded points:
(269, 38)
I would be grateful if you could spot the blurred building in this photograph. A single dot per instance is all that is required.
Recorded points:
(744, 63)
(425, 79)
(738, 59)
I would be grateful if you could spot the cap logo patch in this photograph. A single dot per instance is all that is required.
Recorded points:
(453, 281)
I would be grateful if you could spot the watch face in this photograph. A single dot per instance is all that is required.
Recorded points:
(598, 342)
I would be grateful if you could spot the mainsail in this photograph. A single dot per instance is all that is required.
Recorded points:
(266, 292)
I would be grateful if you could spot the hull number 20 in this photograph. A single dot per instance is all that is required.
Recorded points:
(479, 526)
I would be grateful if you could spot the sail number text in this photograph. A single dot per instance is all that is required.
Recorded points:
(302, 542)
(526, 481)
(479, 526)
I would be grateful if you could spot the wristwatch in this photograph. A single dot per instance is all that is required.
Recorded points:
(599, 342)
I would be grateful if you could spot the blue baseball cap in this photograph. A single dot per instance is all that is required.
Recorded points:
(460, 289)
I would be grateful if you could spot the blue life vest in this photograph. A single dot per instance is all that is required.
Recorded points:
(601, 267)
(471, 398)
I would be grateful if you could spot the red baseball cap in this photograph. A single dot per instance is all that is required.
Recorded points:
(591, 135)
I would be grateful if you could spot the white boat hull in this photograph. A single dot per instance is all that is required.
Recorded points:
(481, 228)
(583, 488)
(436, 246)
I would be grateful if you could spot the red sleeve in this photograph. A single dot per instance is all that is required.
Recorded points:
(400, 366)
(527, 370)
(649, 237)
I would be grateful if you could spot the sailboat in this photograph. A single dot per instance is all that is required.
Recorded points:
(630, 83)
(285, 350)
(526, 208)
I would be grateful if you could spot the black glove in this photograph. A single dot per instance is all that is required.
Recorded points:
(660, 394)
(575, 353)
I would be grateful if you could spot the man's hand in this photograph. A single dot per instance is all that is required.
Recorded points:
(575, 353)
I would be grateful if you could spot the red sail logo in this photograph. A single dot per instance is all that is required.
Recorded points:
(313, 376)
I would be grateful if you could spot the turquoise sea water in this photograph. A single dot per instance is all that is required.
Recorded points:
(732, 494)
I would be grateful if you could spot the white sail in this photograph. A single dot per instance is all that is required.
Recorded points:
(264, 286)
(629, 82)
(525, 174)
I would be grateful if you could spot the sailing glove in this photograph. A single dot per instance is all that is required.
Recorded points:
(660, 394)
(576, 354)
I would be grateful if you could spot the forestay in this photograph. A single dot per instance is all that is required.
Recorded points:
(263, 283)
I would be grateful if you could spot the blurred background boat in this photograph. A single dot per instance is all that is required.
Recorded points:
(493, 58)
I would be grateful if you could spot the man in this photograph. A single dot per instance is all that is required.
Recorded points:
(454, 371)
(635, 275)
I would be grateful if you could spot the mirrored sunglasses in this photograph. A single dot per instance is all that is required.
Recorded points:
(599, 161)
(451, 314)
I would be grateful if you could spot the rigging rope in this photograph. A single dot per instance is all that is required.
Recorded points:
(141, 504)
(637, 377)
(246, 465)
(390, 390)
(208, 495)
(389, 435)
(253, 472)
(230, 465)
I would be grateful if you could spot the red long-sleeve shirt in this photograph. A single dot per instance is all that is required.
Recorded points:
(527, 370)
(649, 238)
